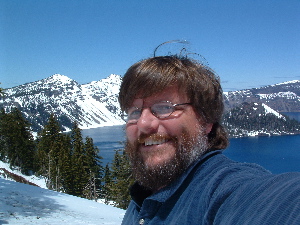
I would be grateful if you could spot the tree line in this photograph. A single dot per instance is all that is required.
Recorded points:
(68, 162)
(251, 117)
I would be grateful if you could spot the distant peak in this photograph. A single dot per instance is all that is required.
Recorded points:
(112, 78)
(59, 77)
(113, 75)
(289, 82)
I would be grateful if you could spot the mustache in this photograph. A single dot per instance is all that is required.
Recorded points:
(155, 137)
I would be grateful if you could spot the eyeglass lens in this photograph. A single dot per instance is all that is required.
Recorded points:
(160, 110)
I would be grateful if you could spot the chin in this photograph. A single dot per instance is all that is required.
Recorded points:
(158, 157)
(156, 162)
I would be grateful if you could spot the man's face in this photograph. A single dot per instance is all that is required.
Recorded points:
(155, 144)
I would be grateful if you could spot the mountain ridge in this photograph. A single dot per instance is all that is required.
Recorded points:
(89, 104)
(95, 104)
(282, 97)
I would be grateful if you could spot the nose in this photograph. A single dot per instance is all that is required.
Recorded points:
(147, 123)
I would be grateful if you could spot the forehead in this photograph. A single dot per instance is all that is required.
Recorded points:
(172, 94)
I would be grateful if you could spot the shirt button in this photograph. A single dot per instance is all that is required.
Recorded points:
(142, 221)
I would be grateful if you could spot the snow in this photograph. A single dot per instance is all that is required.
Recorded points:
(27, 204)
(91, 105)
(287, 82)
(34, 179)
(287, 95)
(270, 110)
(60, 78)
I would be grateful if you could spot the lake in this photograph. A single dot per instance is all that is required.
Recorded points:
(292, 115)
(107, 139)
(277, 154)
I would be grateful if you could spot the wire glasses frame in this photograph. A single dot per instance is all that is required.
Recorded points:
(160, 110)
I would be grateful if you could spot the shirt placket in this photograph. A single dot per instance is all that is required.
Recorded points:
(148, 211)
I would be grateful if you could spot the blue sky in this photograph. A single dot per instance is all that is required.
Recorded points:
(248, 43)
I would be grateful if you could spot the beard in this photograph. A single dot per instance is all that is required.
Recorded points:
(154, 177)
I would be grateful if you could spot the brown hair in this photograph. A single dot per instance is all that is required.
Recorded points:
(197, 81)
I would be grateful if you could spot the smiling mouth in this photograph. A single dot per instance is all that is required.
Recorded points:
(155, 139)
(150, 141)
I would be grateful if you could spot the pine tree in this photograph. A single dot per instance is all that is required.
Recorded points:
(121, 180)
(78, 159)
(50, 143)
(107, 181)
(93, 169)
(3, 136)
(17, 141)
(65, 165)
(68, 164)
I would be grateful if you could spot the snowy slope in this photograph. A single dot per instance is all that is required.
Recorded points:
(272, 111)
(39, 181)
(26, 204)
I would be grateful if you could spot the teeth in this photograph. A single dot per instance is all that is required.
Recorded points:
(151, 141)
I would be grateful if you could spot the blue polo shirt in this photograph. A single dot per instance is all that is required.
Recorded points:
(217, 190)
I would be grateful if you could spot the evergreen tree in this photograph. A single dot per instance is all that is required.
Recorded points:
(121, 180)
(50, 143)
(18, 147)
(79, 167)
(65, 165)
(68, 164)
(94, 169)
(3, 136)
(107, 181)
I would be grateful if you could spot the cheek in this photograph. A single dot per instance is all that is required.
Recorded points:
(131, 133)
(190, 129)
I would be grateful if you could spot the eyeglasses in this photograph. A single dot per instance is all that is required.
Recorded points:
(160, 110)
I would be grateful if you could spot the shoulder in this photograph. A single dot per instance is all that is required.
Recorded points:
(235, 192)
(215, 167)
(270, 199)
(217, 174)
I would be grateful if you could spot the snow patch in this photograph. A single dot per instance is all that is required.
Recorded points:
(27, 204)
(272, 111)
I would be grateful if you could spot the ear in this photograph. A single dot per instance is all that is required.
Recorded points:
(208, 128)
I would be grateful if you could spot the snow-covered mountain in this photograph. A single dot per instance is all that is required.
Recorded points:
(95, 104)
(258, 119)
(91, 105)
(261, 111)
(282, 97)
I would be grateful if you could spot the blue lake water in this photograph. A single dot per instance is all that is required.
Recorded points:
(107, 139)
(277, 154)
(292, 115)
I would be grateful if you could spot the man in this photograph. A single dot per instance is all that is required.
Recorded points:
(174, 107)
